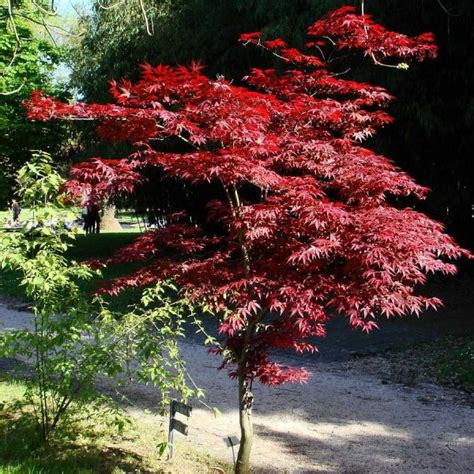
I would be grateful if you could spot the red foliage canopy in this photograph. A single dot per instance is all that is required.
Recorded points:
(324, 238)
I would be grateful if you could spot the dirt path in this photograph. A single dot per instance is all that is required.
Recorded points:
(344, 420)
(341, 421)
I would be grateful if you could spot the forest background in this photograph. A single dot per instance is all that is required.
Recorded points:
(75, 51)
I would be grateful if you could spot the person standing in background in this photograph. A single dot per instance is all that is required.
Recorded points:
(16, 209)
(94, 213)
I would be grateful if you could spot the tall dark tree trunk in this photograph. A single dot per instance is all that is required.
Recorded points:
(246, 426)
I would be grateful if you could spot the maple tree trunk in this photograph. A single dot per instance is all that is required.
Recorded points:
(246, 427)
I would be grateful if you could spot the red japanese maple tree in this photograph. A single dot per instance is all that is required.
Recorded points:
(308, 225)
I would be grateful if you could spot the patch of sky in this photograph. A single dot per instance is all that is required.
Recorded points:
(68, 14)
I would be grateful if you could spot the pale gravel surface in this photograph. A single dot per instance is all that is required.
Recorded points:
(345, 420)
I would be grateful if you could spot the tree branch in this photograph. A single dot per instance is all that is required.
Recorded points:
(440, 3)
(145, 17)
(372, 55)
(18, 89)
(72, 35)
(43, 10)
(110, 7)
(15, 33)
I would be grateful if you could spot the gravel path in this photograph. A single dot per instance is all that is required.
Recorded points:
(344, 420)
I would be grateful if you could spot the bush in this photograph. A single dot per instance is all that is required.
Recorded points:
(74, 341)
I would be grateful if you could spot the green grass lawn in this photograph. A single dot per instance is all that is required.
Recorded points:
(448, 361)
(456, 366)
(97, 448)
(100, 245)
(105, 245)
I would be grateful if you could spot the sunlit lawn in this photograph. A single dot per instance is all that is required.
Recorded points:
(69, 213)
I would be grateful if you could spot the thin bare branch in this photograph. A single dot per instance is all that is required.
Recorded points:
(74, 7)
(321, 52)
(372, 55)
(11, 19)
(145, 17)
(197, 388)
(443, 7)
(18, 89)
(330, 40)
(110, 7)
(43, 10)
(335, 74)
(45, 26)
(12, 60)
(68, 33)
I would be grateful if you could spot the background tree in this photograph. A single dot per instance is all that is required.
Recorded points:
(306, 221)
(434, 106)
(28, 60)
(117, 39)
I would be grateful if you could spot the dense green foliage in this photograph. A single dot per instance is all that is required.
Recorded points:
(28, 58)
(117, 39)
(431, 139)
(74, 340)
